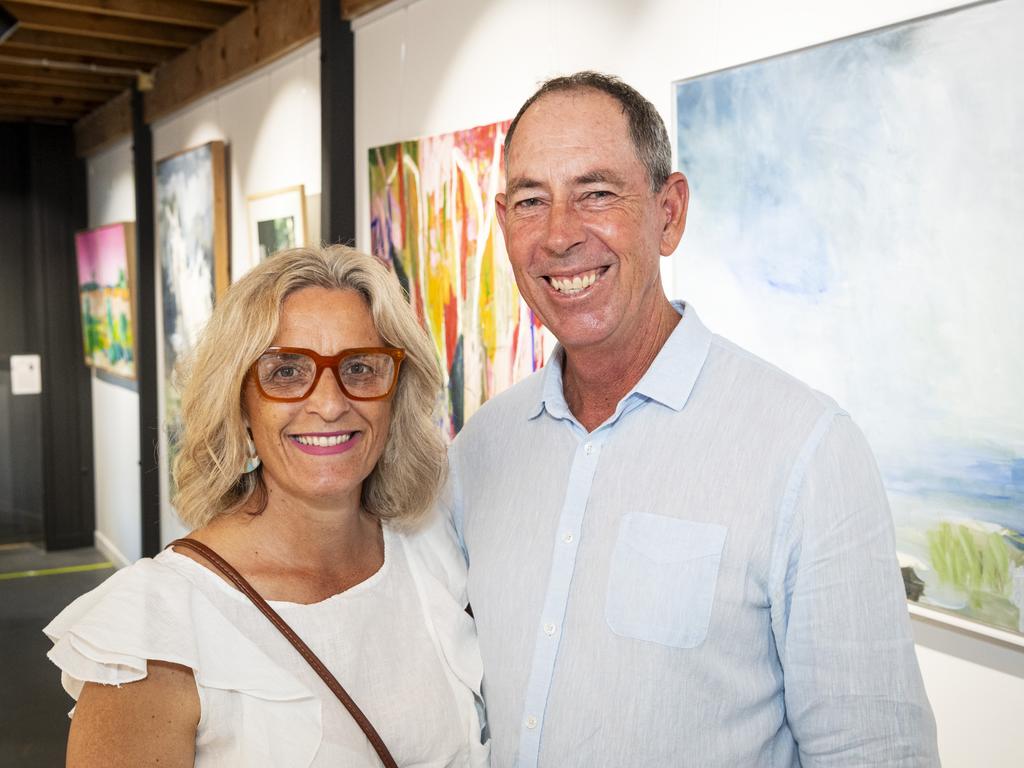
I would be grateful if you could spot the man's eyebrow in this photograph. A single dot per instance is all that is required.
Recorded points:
(599, 176)
(520, 183)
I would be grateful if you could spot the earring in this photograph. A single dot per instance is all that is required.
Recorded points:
(252, 461)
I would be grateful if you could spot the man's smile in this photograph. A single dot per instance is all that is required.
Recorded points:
(573, 284)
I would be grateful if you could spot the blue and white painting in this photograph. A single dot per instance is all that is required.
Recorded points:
(857, 218)
(188, 214)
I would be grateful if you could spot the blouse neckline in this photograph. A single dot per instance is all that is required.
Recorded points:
(365, 585)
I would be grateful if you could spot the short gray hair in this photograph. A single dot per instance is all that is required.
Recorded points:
(646, 128)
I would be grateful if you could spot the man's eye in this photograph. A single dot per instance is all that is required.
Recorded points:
(530, 202)
(598, 194)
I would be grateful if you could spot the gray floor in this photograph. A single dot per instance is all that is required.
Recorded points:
(33, 706)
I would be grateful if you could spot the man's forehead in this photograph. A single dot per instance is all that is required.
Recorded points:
(583, 121)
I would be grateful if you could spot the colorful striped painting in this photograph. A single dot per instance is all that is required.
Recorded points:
(857, 219)
(433, 222)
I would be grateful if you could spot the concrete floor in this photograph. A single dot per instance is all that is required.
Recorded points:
(33, 706)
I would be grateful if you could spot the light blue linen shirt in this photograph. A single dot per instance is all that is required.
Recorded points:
(707, 579)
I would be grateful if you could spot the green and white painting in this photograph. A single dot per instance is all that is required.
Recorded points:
(857, 219)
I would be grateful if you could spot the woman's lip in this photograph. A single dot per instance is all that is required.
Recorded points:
(321, 444)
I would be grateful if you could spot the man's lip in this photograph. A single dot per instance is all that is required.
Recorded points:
(569, 274)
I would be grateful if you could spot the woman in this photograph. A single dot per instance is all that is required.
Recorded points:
(308, 461)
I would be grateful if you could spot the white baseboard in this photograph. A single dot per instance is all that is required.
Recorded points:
(112, 553)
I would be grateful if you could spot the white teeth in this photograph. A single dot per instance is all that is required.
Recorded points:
(573, 284)
(323, 441)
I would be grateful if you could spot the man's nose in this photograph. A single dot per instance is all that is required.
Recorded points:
(564, 227)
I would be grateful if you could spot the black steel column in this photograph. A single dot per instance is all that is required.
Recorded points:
(337, 126)
(145, 328)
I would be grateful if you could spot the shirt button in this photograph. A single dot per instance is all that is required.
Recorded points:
(549, 629)
(588, 448)
(531, 722)
(567, 538)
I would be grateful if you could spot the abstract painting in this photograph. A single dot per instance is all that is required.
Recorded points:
(106, 258)
(192, 251)
(857, 219)
(277, 220)
(433, 222)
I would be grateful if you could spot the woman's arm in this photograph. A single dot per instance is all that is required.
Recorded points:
(151, 722)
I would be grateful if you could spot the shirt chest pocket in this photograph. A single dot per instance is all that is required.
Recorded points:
(661, 583)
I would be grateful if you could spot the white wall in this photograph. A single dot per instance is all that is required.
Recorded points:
(115, 408)
(270, 122)
(433, 66)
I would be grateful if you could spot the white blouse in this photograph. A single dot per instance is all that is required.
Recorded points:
(400, 643)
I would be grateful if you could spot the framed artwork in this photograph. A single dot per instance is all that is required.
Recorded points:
(277, 220)
(433, 222)
(857, 219)
(192, 252)
(106, 262)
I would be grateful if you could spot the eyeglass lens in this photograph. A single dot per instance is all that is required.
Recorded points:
(290, 374)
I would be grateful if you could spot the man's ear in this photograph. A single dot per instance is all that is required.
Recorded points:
(674, 198)
(499, 208)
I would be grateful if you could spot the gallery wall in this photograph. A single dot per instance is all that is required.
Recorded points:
(431, 67)
(115, 402)
(270, 123)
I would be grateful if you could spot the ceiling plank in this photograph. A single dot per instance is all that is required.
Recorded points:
(104, 125)
(103, 27)
(30, 72)
(38, 110)
(260, 34)
(61, 45)
(82, 106)
(188, 13)
(10, 86)
(32, 54)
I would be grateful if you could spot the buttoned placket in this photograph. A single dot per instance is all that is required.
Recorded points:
(563, 564)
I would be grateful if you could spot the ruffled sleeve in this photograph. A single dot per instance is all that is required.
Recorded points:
(151, 612)
(439, 570)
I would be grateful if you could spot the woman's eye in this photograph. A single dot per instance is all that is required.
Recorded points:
(358, 369)
(285, 372)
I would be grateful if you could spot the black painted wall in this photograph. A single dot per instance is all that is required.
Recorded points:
(47, 457)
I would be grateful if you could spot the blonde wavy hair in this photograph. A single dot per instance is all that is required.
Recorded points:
(213, 447)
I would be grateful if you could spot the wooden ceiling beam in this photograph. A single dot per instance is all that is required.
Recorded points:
(260, 34)
(351, 9)
(94, 25)
(104, 125)
(186, 13)
(61, 46)
(29, 72)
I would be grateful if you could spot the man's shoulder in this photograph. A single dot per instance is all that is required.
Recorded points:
(515, 404)
(744, 376)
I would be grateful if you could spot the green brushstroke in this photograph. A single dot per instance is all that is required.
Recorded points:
(973, 561)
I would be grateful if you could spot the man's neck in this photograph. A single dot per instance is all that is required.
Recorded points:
(595, 380)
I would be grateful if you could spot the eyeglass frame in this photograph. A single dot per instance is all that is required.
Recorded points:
(328, 362)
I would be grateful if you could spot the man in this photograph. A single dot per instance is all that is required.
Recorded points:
(678, 555)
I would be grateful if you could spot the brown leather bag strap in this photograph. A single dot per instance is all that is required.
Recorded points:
(311, 658)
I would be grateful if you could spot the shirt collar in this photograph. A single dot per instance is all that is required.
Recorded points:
(669, 380)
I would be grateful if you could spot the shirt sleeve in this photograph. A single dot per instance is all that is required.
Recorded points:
(853, 690)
